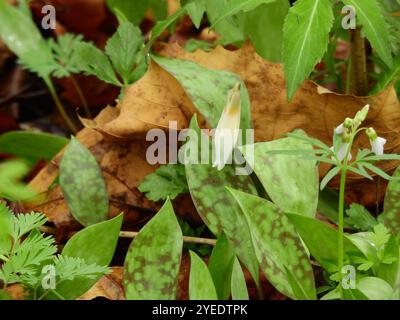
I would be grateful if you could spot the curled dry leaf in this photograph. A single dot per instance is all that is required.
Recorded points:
(158, 98)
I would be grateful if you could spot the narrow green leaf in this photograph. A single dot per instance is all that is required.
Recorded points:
(391, 206)
(371, 16)
(376, 170)
(31, 145)
(201, 285)
(387, 78)
(286, 176)
(153, 260)
(238, 282)
(83, 185)
(220, 266)
(306, 32)
(329, 176)
(207, 89)
(277, 245)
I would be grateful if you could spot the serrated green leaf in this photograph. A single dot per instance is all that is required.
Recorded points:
(201, 285)
(207, 89)
(321, 241)
(31, 145)
(83, 185)
(153, 260)
(306, 32)
(238, 282)
(286, 176)
(360, 218)
(371, 17)
(277, 245)
(195, 9)
(220, 266)
(167, 181)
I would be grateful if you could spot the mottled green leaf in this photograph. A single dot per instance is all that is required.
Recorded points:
(286, 176)
(273, 14)
(31, 145)
(277, 245)
(322, 241)
(238, 282)
(391, 206)
(306, 35)
(201, 285)
(220, 266)
(208, 89)
(83, 184)
(370, 15)
(218, 209)
(153, 259)
(95, 245)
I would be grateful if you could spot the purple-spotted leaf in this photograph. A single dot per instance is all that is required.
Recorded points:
(391, 207)
(286, 176)
(83, 185)
(217, 208)
(277, 245)
(153, 260)
(95, 244)
(201, 285)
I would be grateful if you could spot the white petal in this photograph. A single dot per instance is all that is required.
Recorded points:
(339, 129)
(378, 146)
(342, 152)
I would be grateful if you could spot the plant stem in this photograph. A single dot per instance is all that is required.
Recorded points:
(341, 225)
(359, 63)
(60, 106)
(81, 96)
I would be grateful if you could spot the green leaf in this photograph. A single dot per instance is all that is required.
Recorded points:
(208, 89)
(220, 266)
(375, 288)
(134, 11)
(218, 208)
(306, 32)
(153, 259)
(238, 282)
(124, 50)
(391, 206)
(95, 245)
(11, 172)
(201, 286)
(261, 37)
(387, 78)
(360, 218)
(328, 204)
(321, 241)
(92, 61)
(167, 181)
(286, 176)
(371, 17)
(277, 245)
(83, 184)
(4, 295)
(235, 6)
(329, 176)
(195, 9)
(31, 145)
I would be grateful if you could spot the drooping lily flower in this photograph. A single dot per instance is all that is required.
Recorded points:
(377, 143)
(227, 132)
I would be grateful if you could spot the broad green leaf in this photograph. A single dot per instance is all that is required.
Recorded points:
(95, 244)
(159, 8)
(153, 260)
(31, 145)
(83, 185)
(371, 17)
(220, 266)
(264, 26)
(218, 208)
(286, 176)
(228, 29)
(195, 9)
(328, 204)
(201, 285)
(235, 6)
(375, 288)
(238, 282)
(306, 32)
(124, 50)
(391, 206)
(322, 241)
(207, 89)
(133, 10)
(277, 245)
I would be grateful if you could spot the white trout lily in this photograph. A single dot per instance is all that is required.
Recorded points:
(227, 132)
(377, 143)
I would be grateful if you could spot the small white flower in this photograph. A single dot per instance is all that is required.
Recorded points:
(339, 129)
(377, 145)
(342, 152)
(228, 128)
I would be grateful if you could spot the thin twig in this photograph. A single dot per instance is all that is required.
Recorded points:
(81, 96)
